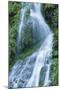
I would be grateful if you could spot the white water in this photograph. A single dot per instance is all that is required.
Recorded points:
(27, 73)
(21, 25)
(42, 56)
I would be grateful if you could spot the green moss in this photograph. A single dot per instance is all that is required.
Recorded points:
(29, 51)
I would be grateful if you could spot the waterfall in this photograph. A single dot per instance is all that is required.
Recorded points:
(27, 73)
(21, 25)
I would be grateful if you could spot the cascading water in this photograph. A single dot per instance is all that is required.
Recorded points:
(21, 25)
(27, 73)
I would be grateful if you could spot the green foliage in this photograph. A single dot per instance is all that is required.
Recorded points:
(14, 10)
(54, 72)
(51, 14)
(29, 51)
(27, 40)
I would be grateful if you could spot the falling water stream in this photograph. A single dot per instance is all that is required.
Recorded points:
(27, 73)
